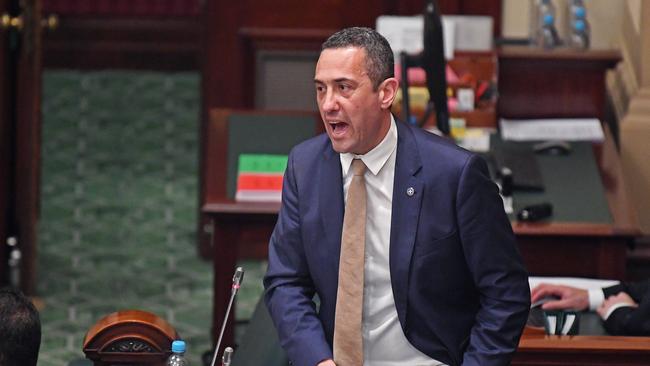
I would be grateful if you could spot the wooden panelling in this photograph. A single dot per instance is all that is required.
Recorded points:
(255, 40)
(124, 34)
(566, 83)
(115, 8)
(124, 43)
(247, 24)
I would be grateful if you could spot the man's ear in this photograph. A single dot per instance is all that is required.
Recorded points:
(387, 92)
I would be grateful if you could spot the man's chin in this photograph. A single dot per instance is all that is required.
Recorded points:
(340, 147)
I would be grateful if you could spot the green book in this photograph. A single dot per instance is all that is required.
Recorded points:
(262, 163)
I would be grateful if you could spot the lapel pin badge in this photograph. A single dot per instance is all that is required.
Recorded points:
(410, 191)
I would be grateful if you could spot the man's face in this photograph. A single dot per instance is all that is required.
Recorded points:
(356, 117)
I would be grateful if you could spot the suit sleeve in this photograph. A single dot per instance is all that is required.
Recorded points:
(628, 320)
(289, 290)
(636, 290)
(496, 268)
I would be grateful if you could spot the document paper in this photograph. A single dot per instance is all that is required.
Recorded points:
(573, 129)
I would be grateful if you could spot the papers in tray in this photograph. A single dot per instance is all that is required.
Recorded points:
(583, 283)
(566, 129)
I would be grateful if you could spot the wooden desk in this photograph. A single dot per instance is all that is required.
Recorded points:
(242, 230)
(537, 349)
(536, 83)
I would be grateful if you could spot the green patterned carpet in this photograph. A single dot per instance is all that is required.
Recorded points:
(118, 208)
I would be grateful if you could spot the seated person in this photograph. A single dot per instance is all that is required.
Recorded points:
(20, 329)
(625, 308)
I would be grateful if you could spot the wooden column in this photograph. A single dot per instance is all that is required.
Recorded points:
(635, 126)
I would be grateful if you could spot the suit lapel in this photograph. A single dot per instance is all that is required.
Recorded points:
(407, 199)
(331, 203)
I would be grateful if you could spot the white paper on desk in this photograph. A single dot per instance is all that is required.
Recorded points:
(566, 129)
(579, 282)
(476, 139)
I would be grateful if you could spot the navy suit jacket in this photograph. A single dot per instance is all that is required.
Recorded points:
(459, 285)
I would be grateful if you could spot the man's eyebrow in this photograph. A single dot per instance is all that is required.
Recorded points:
(339, 80)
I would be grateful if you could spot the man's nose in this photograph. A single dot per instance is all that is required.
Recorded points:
(330, 102)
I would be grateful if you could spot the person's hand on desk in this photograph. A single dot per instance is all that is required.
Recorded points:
(612, 303)
(567, 297)
(326, 363)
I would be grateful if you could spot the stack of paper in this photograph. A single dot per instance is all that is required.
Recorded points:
(562, 129)
(260, 177)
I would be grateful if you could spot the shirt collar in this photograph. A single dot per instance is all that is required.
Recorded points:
(377, 157)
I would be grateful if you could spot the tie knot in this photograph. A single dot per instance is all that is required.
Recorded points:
(358, 167)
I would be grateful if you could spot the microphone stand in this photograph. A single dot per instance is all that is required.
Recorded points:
(236, 283)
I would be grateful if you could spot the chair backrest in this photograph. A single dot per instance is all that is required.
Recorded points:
(260, 345)
(130, 337)
(234, 132)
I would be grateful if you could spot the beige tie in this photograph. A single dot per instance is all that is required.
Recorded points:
(348, 342)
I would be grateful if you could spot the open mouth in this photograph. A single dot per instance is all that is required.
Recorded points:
(338, 128)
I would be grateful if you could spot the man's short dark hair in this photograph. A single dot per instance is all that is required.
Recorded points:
(380, 63)
(20, 329)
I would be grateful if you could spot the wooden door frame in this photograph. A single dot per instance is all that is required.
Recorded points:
(5, 140)
(28, 144)
(21, 144)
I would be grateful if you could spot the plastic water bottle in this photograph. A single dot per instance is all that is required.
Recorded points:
(576, 11)
(539, 8)
(578, 32)
(545, 7)
(548, 37)
(579, 37)
(178, 354)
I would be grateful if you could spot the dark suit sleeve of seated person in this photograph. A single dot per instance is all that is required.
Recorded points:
(636, 290)
(632, 321)
(496, 267)
(289, 287)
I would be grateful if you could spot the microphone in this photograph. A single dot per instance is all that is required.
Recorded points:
(536, 212)
(236, 283)
(237, 279)
(434, 65)
(227, 356)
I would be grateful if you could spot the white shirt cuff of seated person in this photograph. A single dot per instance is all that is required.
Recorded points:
(614, 307)
(596, 298)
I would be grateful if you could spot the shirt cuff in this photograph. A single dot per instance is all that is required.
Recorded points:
(596, 298)
(614, 307)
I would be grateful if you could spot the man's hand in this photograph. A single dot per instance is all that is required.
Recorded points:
(569, 297)
(621, 298)
(326, 363)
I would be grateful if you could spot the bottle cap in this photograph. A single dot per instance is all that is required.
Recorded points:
(579, 12)
(548, 19)
(579, 25)
(178, 346)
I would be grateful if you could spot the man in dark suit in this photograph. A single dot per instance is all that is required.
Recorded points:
(625, 308)
(442, 280)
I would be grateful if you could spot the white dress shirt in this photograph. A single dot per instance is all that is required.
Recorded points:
(596, 299)
(384, 342)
